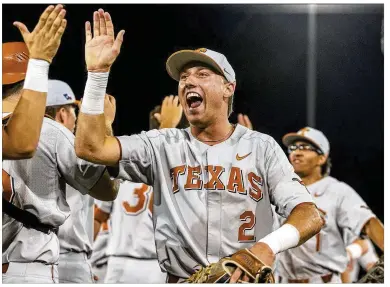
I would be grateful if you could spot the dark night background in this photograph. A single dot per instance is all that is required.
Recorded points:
(267, 47)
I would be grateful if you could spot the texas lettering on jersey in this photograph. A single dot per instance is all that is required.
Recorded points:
(235, 183)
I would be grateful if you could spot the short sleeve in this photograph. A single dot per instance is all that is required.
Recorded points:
(78, 173)
(136, 164)
(285, 187)
(352, 212)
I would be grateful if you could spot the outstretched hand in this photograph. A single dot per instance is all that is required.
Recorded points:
(43, 42)
(101, 48)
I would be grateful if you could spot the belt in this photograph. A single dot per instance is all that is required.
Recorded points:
(5, 267)
(325, 278)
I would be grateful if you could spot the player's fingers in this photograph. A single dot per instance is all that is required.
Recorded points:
(103, 29)
(235, 276)
(118, 42)
(175, 101)
(53, 15)
(109, 24)
(247, 121)
(22, 28)
(42, 20)
(240, 119)
(61, 29)
(170, 100)
(157, 116)
(96, 24)
(88, 32)
(57, 22)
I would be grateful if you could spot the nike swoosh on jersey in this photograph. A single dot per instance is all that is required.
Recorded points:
(242, 157)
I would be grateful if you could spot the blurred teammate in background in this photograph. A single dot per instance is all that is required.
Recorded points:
(131, 247)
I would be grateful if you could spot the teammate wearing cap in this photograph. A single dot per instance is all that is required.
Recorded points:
(75, 235)
(25, 78)
(37, 202)
(214, 182)
(324, 257)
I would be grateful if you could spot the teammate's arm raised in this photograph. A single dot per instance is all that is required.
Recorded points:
(101, 50)
(21, 134)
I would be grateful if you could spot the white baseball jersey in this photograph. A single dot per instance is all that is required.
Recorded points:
(99, 249)
(76, 234)
(132, 232)
(344, 211)
(39, 187)
(210, 201)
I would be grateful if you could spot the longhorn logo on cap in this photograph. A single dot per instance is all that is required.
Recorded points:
(66, 96)
(202, 50)
(303, 131)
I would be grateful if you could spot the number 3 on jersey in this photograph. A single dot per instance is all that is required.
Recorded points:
(142, 198)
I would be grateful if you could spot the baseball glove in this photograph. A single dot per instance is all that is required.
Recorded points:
(376, 274)
(221, 271)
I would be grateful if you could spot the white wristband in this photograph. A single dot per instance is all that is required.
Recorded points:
(355, 250)
(37, 76)
(287, 236)
(95, 90)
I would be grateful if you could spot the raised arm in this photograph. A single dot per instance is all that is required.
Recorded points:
(101, 49)
(21, 134)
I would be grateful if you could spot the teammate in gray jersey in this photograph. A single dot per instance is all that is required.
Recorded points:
(37, 203)
(102, 228)
(131, 248)
(214, 182)
(24, 80)
(324, 257)
(75, 235)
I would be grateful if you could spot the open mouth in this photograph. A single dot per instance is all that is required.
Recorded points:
(194, 100)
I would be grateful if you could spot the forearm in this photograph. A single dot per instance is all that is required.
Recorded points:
(307, 220)
(21, 134)
(303, 223)
(91, 126)
(375, 231)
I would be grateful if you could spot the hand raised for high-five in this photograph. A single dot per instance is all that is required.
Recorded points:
(44, 40)
(102, 48)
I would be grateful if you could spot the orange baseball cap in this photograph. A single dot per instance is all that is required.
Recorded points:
(15, 61)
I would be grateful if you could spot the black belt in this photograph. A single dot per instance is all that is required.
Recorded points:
(28, 219)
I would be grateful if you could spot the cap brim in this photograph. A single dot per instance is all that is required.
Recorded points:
(178, 60)
(12, 78)
(290, 138)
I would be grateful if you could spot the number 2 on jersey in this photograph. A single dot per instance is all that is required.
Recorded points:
(144, 198)
(249, 223)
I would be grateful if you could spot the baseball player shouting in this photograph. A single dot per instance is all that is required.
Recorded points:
(75, 235)
(324, 257)
(25, 76)
(213, 183)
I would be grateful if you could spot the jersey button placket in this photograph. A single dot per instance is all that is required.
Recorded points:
(213, 212)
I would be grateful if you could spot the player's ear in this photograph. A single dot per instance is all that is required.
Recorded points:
(322, 160)
(229, 88)
(61, 115)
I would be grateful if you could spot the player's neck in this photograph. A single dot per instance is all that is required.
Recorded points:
(214, 133)
(311, 178)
